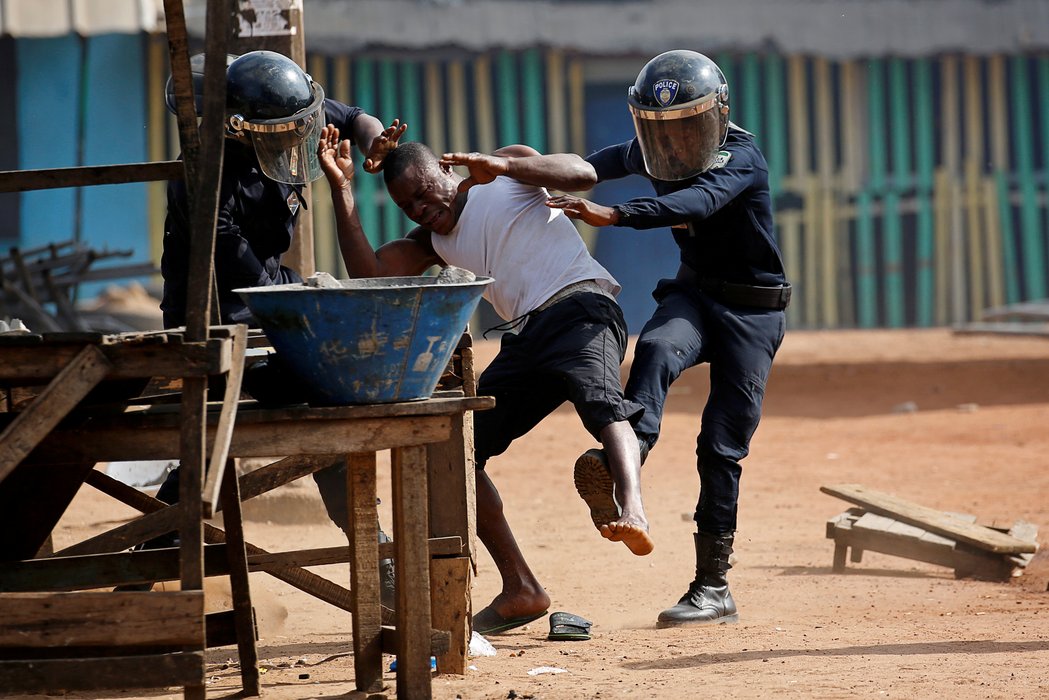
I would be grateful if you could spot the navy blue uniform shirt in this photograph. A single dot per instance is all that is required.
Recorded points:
(727, 209)
(256, 218)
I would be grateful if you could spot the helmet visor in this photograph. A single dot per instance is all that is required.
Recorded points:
(680, 143)
(287, 148)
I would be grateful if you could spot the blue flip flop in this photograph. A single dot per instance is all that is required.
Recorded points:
(566, 627)
(488, 621)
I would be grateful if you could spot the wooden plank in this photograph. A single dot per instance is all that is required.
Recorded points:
(101, 674)
(438, 546)
(364, 571)
(64, 392)
(27, 364)
(101, 619)
(317, 586)
(452, 487)
(240, 590)
(203, 184)
(70, 573)
(25, 180)
(192, 460)
(450, 580)
(265, 479)
(129, 437)
(411, 520)
(875, 540)
(224, 429)
(930, 519)
(127, 535)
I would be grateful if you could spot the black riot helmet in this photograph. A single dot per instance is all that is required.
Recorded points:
(271, 98)
(679, 103)
(196, 69)
(272, 104)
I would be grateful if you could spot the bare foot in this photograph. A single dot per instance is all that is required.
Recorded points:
(507, 612)
(631, 532)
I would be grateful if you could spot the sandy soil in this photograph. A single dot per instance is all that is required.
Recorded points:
(952, 422)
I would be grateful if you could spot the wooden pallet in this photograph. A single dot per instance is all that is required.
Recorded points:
(863, 531)
(945, 524)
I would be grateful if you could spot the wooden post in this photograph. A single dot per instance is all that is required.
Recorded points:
(364, 571)
(257, 27)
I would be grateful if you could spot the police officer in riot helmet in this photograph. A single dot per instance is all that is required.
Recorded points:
(274, 116)
(679, 104)
(724, 306)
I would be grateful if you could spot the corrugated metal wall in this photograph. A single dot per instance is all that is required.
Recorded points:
(909, 192)
(81, 101)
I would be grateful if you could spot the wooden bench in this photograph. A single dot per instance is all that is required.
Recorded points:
(891, 525)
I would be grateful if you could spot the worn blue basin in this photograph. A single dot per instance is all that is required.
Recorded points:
(375, 340)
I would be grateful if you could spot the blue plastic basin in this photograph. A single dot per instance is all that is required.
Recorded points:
(376, 340)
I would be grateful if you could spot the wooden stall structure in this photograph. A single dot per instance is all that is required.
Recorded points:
(75, 639)
(71, 400)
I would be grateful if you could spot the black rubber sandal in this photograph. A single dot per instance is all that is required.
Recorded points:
(566, 627)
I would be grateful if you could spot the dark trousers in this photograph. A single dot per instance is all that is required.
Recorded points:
(687, 329)
(571, 351)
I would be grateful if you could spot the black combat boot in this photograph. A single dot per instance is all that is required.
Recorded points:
(708, 600)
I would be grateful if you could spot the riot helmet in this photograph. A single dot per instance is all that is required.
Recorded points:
(271, 99)
(196, 69)
(274, 106)
(679, 104)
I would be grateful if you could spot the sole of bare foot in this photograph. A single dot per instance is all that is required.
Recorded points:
(633, 536)
(596, 487)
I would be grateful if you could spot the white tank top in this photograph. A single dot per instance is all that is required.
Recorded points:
(507, 232)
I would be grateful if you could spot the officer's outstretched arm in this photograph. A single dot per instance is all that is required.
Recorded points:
(561, 171)
(583, 209)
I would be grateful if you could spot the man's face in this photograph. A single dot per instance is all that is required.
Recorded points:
(426, 194)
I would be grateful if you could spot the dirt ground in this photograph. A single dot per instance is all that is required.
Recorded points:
(953, 422)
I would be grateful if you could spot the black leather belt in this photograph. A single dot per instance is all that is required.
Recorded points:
(735, 294)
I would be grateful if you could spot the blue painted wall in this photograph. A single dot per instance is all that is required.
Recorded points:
(115, 132)
(47, 84)
(82, 102)
(638, 259)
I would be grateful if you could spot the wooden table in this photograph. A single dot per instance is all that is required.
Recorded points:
(431, 456)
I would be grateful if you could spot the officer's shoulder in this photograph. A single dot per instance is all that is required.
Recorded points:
(740, 146)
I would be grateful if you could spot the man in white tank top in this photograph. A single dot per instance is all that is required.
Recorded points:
(571, 335)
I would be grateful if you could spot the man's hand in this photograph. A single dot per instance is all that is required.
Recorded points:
(383, 144)
(335, 158)
(584, 210)
(483, 168)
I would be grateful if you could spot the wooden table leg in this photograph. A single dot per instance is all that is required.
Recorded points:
(450, 579)
(410, 539)
(364, 571)
(238, 579)
(452, 499)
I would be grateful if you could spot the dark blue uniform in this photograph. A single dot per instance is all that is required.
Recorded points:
(724, 307)
(256, 218)
(255, 222)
